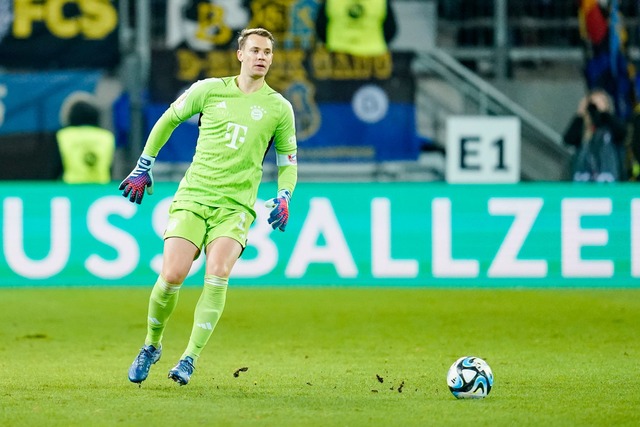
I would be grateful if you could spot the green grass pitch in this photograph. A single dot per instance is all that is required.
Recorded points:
(324, 357)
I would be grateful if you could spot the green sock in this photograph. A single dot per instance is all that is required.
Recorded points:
(162, 301)
(207, 313)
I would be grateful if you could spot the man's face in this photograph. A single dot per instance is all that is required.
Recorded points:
(256, 56)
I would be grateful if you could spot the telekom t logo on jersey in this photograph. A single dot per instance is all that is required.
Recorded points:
(235, 133)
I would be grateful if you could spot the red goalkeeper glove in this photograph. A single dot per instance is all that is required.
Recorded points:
(138, 180)
(279, 206)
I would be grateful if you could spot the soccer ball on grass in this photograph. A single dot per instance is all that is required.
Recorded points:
(470, 377)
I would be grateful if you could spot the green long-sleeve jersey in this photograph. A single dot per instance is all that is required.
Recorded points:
(236, 130)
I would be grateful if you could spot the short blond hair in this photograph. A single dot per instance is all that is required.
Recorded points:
(242, 38)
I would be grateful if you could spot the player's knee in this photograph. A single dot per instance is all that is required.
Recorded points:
(174, 276)
(219, 270)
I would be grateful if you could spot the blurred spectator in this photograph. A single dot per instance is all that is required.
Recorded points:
(632, 152)
(356, 27)
(86, 149)
(598, 136)
(606, 64)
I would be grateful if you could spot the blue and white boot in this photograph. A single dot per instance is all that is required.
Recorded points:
(181, 373)
(139, 370)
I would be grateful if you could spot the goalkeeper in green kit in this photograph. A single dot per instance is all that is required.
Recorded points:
(212, 210)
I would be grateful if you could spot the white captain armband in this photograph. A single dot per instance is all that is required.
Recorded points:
(287, 159)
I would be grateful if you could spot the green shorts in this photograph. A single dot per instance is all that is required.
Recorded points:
(203, 224)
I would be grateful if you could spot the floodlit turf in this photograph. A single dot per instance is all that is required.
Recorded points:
(560, 357)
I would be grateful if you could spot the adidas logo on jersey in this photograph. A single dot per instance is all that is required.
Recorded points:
(222, 104)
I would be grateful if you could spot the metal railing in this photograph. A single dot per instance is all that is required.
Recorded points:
(543, 155)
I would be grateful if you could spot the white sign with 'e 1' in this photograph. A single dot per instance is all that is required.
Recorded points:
(483, 149)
